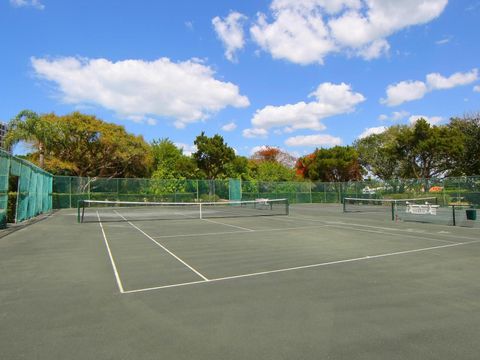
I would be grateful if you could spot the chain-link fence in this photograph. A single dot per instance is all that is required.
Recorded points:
(25, 189)
(68, 190)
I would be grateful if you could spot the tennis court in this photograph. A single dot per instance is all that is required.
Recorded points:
(310, 283)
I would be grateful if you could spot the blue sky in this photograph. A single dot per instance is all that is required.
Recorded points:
(296, 74)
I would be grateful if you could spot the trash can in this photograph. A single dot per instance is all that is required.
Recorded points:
(471, 214)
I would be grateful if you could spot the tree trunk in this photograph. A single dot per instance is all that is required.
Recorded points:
(41, 155)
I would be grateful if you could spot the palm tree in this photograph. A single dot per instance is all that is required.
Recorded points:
(29, 127)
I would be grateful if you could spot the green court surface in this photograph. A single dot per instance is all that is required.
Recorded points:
(314, 284)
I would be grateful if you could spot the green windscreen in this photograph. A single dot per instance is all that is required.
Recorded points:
(235, 189)
(33, 195)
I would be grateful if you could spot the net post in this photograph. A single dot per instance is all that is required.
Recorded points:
(79, 203)
(453, 216)
(393, 210)
(344, 206)
(200, 211)
(287, 203)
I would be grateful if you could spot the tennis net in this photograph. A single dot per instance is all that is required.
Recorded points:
(388, 206)
(455, 215)
(112, 211)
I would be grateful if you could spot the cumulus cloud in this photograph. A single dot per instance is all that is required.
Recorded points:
(229, 127)
(404, 91)
(413, 90)
(320, 140)
(330, 99)
(28, 3)
(230, 32)
(186, 91)
(253, 133)
(371, 131)
(306, 31)
(432, 120)
(436, 81)
(394, 116)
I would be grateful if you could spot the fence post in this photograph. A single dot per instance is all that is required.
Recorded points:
(70, 192)
(311, 199)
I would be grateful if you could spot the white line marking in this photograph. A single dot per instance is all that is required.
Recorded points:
(351, 227)
(240, 232)
(115, 271)
(164, 248)
(234, 226)
(368, 257)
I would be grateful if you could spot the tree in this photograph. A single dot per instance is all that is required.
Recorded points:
(213, 155)
(469, 128)
(273, 171)
(378, 153)
(339, 163)
(239, 168)
(271, 153)
(28, 126)
(170, 162)
(83, 145)
(427, 151)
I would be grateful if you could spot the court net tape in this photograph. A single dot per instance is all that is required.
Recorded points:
(111, 211)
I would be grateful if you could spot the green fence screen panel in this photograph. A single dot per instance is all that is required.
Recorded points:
(33, 195)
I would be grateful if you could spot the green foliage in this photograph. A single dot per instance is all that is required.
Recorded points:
(378, 153)
(271, 171)
(35, 130)
(82, 145)
(418, 151)
(213, 155)
(469, 128)
(169, 162)
(339, 163)
(239, 168)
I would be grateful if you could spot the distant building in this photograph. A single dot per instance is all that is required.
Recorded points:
(3, 133)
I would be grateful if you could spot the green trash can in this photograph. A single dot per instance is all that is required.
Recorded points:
(471, 214)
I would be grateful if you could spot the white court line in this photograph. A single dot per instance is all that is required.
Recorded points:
(351, 227)
(115, 271)
(163, 247)
(368, 257)
(240, 231)
(234, 226)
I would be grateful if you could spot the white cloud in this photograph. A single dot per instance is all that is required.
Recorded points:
(305, 31)
(413, 90)
(371, 131)
(394, 116)
(432, 120)
(230, 32)
(476, 88)
(443, 41)
(187, 149)
(28, 3)
(252, 133)
(185, 91)
(229, 127)
(404, 91)
(436, 81)
(330, 99)
(321, 140)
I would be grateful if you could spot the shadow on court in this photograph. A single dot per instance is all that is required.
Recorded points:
(316, 284)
